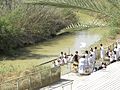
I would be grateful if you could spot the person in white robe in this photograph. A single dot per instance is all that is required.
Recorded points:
(65, 60)
(96, 53)
(93, 54)
(118, 46)
(83, 67)
(61, 61)
(70, 58)
(91, 63)
(117, 52)
(56, 63)
(111, 56)
(61, 55)
(102, 53)
(114, 56)
(86, 54)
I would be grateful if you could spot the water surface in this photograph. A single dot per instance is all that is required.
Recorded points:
(68, 43)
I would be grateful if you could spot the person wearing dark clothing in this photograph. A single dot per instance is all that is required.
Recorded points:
(76, 61)
(104, 65)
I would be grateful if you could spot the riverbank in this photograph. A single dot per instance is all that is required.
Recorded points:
(24, 26)
(107, 39)
(23, 65)
(40, 53)
(48, 50)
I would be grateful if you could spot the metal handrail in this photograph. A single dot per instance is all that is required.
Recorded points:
(70, 82)
(19, 78)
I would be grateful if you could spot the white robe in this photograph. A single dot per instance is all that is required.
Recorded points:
(95, 51)
(57, 63)
(111, 58)
(118, 46)
(114, 57)
(102, 53)
(83, 66)
(65, 60)
(70, 59)
(61, 61)
(91, 63)
(117, 52)
(93, 55)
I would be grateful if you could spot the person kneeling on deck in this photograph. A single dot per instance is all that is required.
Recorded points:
(83, 66)
(117, 52)
(75, 61)
(113, 57)
(118, 47)
(103, 65)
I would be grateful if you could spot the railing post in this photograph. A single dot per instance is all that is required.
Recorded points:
(51, 75)
(71, 85)
(62, 87)
(40, 78)
(68, 51)
(70, 67)
(18, 84)
(30, 83)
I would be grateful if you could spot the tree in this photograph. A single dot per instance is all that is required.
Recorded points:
(108, 8)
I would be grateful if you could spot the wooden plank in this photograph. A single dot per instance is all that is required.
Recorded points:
(108, 81)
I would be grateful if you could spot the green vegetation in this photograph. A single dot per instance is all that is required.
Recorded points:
(107, 10)
(33, 80)
(23, 25)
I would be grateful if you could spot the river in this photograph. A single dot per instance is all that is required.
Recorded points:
(45, 51)
(68, 43)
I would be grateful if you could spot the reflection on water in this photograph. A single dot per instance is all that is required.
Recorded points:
(82, 45)
(86, 39)
(71, 42)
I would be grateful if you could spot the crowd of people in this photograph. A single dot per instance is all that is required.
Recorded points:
(85, 64)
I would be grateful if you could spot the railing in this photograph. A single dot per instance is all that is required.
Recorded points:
(33, 81)
(61, 85)
(40, 76)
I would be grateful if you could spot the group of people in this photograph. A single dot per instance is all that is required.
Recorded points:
(114, 54)
(63, 59)
(85, 64)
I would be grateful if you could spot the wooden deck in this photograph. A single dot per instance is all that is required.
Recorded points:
(105, 79)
